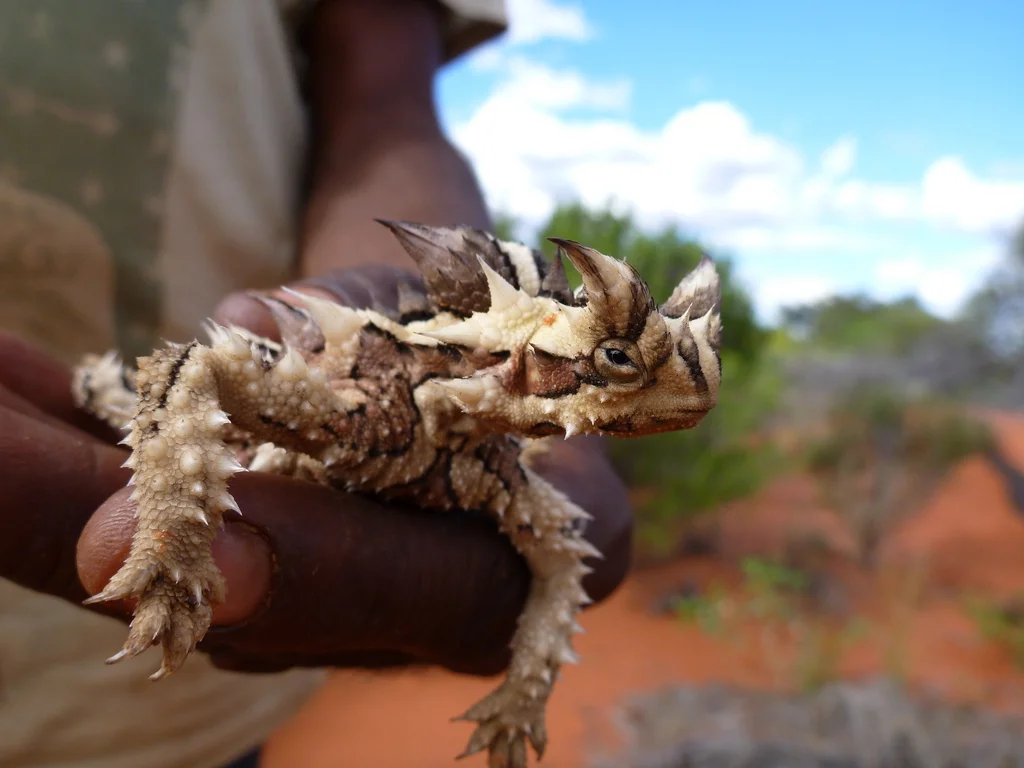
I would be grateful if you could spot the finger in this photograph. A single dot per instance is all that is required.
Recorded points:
(373, 286)
(17, 404)
(53, 480)
(45, 382)
(243, 310)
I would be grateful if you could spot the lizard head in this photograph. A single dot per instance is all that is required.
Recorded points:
(610, 361)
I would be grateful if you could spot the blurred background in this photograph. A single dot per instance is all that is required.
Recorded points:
(827, 570)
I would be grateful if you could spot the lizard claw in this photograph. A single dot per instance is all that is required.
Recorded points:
(506, 720)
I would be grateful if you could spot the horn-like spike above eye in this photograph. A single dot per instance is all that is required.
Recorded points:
(699, 292)
(614, 290)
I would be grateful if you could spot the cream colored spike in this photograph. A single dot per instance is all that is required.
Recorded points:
(337, 323)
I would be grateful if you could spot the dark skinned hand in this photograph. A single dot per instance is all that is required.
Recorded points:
(316, 577)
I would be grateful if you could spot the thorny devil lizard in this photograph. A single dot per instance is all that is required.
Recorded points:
(438, 404)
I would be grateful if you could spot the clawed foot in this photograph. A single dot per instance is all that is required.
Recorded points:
(175, 615)
(508, 718)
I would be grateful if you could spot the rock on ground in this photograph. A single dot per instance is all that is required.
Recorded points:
(872, 724)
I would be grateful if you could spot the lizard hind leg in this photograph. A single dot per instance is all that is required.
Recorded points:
(181, 467)
(547, 529)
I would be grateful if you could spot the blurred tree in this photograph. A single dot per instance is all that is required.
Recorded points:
(883, 454)
(861, 324)
(505, 226)
(997, 309)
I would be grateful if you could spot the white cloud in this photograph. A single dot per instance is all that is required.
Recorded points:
(487, 58)
(942, 285)
(838, 159)
(798, 237)
(709, 169)
(775, 293)
(537, 85)
(950, 196)
(706, 166)
(531, 21)
(954, 196)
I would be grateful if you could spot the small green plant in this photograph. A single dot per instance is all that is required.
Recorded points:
(903, 588)
(776, 590)
(773, 588)
(820, 651)
(706, 611)
(1001, 623)
(773, 593)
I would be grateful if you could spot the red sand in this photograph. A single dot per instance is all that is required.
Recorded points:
(967, 539)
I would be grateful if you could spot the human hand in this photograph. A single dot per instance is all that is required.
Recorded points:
(315, 576)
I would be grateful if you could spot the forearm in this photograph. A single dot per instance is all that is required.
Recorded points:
(378, 150)
(415, 176)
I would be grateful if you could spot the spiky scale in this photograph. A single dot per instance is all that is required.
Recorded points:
(335, 322)
(502, 294)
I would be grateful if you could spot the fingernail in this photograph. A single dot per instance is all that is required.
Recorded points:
(311, 288)
(244, 556)
(243, 310)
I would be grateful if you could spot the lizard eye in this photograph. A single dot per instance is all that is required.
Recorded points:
(616, 364)
(617, 357)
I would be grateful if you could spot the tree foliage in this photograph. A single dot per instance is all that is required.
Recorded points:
(996, 311)
(861, 324)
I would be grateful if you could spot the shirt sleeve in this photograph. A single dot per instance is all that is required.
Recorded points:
(467, 23)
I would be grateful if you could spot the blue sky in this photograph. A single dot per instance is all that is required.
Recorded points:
(824, 146)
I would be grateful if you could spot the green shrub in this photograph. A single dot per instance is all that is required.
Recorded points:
(1001, 623)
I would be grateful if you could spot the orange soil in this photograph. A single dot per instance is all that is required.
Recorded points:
(967, 540)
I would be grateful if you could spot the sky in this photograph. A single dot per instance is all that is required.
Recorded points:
(823, 146)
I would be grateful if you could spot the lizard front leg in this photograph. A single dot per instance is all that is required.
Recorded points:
(546, 527)
(181, 467)
(105, 388)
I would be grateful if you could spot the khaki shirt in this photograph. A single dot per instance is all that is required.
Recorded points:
(150, 157)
